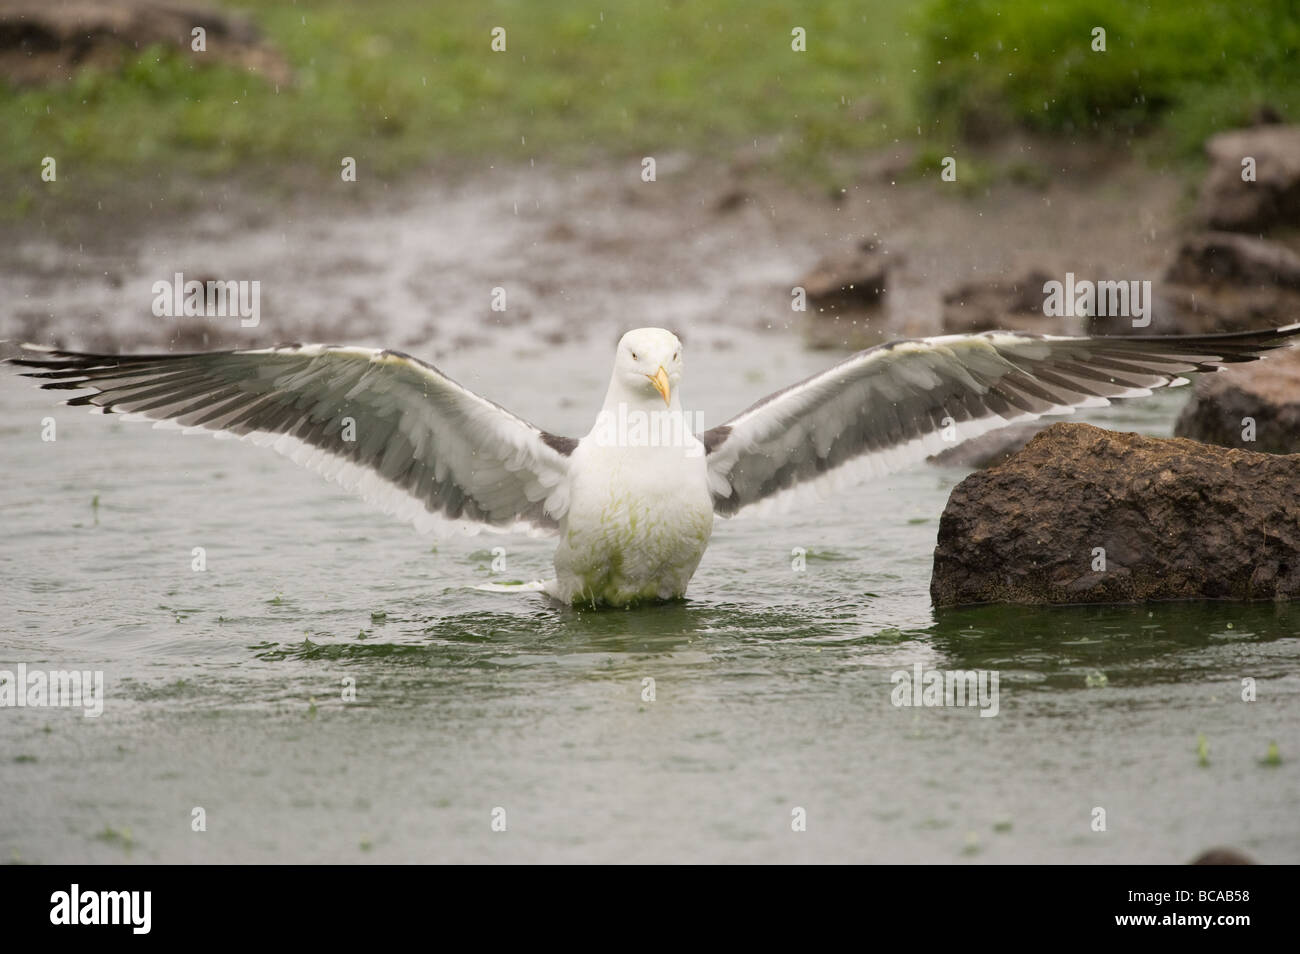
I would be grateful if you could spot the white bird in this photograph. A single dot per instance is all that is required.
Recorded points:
(633, 501)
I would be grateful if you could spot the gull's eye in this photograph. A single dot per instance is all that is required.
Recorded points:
(634, 356)
(676, 356)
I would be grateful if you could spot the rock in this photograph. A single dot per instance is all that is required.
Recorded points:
(1221, 281)
(848, 282)
(1260, 400)
(988, 449)
(1266, 115)
(732, 200)
(1008, 305)
(1173, 518)
(1175, 310)
(846, 298)
(1228, 202)
(45, 41)
(1216, 259)
(1223, 856)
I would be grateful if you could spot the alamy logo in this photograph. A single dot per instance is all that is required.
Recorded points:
(103, 907)
(55, 688)
(634, 427)
(951, 687)
(212, 299)
(1084, 299)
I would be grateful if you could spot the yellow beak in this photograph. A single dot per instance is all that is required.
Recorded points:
(660, 380)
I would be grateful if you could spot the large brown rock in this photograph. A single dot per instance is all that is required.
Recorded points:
(48, 40)
(1253, 406)
(1228, 202)
(1176, 520)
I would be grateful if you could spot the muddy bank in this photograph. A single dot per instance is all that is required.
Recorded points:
(707, 249)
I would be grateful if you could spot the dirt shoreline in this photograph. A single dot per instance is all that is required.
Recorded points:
(709, 247)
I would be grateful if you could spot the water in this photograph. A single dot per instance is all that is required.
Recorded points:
(772, 687)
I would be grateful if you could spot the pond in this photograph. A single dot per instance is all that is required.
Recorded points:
(708, 730)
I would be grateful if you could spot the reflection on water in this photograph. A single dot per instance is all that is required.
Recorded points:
(1052, 647)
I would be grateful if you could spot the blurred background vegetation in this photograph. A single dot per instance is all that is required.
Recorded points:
(1170, 66)
(402, 84)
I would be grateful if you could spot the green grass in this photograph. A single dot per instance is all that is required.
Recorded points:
(400, 83)
(404, 84)
(1185, 69)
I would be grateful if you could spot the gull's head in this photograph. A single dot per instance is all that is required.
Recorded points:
(649, 362)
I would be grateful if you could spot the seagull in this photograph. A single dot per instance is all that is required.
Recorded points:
(634, 501)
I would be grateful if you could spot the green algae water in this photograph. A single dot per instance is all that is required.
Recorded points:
(333, 687)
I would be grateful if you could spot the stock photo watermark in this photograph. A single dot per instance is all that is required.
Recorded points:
(634, 427)
(976, 688)
(1098, 299)
(179, 298)
(23, 688)
(77, 907)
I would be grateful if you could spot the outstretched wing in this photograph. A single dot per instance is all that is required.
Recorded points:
(895, 404)
(395, 429)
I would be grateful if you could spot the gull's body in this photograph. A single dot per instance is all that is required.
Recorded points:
(640, 513)
(638, 522)
(633, 502)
